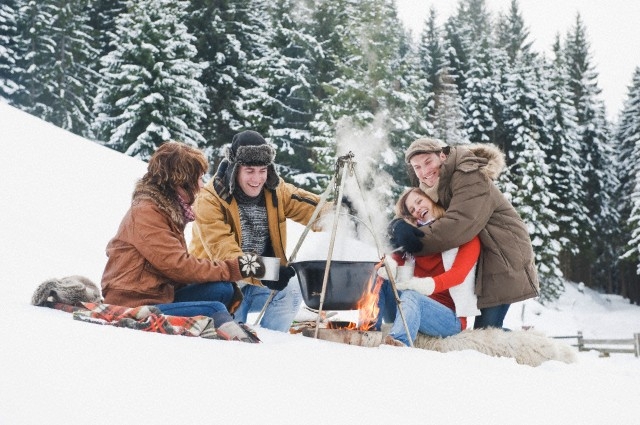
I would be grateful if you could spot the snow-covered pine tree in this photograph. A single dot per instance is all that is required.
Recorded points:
(512, 34)
(257, 33)
(511, 44)
(525, 124)
(363, 78)
(342, 84)
(395, 92)
(628, 197)
(564, 157)
(150, 92)
(229, 37)
(448, 116)
(597, 260)
(442, 104)
(471, 58)
(479, 119)
(55, 55)
(332, 28)
(467, 31)
(432, 61)
(8, 50)
(34, 40)
(102, 19)
(291, 104)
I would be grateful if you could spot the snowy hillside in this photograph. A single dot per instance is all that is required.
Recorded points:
(62, 199)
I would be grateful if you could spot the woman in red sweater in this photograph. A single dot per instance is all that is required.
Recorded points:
(440, 296)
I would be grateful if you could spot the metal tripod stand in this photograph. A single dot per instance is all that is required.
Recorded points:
(345, 166)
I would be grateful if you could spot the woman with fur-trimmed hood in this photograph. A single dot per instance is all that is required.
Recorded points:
(148, 262)
(461, 179)
(245, 207)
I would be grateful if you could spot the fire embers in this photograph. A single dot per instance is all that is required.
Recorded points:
(341, 324)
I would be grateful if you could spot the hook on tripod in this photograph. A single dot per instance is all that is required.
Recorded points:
(340, 162)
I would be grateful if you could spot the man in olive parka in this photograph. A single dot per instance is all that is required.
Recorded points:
(461, 179)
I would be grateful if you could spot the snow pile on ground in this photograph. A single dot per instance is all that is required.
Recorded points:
(63, 198)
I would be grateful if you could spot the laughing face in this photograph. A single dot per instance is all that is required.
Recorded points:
(427, 166)
(251, 179)
(420, 207)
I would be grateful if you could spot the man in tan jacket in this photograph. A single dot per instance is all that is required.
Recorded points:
(245, 208)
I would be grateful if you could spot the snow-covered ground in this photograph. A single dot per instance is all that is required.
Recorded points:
(62, 199)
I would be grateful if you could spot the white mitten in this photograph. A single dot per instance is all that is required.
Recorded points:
(393, 266)
(423, 285)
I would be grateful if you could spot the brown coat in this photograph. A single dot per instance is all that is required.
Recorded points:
(475, 206)
(148, 256)
(218, 219)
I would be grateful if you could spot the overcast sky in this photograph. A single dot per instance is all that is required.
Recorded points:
(613, 29)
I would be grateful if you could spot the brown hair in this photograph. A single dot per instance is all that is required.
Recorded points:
(175, 164)
(403, 212)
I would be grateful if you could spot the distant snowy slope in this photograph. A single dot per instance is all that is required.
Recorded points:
(65, 233)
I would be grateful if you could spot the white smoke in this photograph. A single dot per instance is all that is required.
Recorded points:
(372, 197)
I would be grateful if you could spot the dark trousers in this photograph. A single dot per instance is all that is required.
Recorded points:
(491, 317)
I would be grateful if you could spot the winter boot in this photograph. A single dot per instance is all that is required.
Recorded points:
(227, 329)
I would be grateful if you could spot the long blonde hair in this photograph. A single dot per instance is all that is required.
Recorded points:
(402, 211)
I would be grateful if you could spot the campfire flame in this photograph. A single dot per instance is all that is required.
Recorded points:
(367, 306)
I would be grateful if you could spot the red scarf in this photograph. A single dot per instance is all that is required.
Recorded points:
(187, 211)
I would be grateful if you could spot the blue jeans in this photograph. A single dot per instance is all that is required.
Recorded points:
(386, 304)
(281, 310)
(425, 315)
(491, 317)
(199, 299)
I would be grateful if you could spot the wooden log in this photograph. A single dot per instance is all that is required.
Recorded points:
(347, 336)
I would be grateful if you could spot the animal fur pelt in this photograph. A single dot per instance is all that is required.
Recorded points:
(526, 347)
(68, 290)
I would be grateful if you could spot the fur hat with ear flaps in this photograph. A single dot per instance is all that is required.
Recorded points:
(250, 148)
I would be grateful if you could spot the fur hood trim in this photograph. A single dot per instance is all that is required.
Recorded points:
(146, 191)
(494, 156)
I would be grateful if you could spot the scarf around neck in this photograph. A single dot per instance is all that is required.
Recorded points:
(187, 210)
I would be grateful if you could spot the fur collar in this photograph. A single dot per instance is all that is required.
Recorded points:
(145, 191)
(495, 160)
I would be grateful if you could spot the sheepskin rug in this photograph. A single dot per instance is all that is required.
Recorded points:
(527, 347)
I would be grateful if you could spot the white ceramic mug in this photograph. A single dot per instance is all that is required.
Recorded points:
(271, 268)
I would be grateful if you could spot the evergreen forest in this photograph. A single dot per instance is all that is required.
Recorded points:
(315, 77)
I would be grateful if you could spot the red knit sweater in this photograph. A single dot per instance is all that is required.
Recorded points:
(432, 266)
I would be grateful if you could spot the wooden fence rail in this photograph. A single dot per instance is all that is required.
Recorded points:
(606, 346)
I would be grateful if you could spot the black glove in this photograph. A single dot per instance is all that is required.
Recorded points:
(286, 273)
(251, 265)
(405, 235)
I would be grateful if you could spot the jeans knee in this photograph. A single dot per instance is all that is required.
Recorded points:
(410, 297)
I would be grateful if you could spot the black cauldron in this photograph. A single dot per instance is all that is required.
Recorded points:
(347, 281)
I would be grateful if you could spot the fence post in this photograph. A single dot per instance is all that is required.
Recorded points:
(580, 343)
(636, 344)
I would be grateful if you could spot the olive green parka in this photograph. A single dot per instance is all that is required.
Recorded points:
(475, 206)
